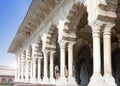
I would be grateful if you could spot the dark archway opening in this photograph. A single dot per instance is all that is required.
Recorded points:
(83, 65)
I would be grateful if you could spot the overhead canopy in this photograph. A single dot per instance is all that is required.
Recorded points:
(37, 13)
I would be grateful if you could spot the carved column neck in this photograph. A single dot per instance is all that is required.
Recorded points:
(70, 45)
(62, 45)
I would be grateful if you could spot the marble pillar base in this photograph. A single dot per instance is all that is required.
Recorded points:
(39, 80)
(16, 80)
(34, 81)
(109, 80)
(71, 81)
(22, 80)
(45, 80)
(96, 80)
(52, 80)
(62, 81)
(27, 80)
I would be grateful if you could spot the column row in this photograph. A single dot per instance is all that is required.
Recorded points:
(27, 65)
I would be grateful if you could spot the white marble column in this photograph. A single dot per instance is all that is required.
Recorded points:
(71, 79)
(26, 72)
(27, 66)
(22, 67)
(34, 70)
(16, 70)
(31, 70)
(18, 75)
(96, 79)
(109, 80)
(45, 77)
(34, 53)
(52, 80)
(62, 79)
(39, 70)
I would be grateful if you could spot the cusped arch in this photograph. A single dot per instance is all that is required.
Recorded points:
(53, 34)
(73, 19)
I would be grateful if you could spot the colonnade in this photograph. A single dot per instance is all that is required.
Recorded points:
(29, 62)
(29, 66)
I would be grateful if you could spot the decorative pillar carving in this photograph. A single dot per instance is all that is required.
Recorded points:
(96, 79)
(52, 80)
(109, 80)
(45, 77)
(71, 79)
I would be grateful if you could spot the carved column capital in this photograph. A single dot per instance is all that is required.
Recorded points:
(70, 45)
(34, 46)
(107, 30)
(52, 52)
(27, 53)
(23, 57)
(96, 24)
(62, 45)
(96, 28)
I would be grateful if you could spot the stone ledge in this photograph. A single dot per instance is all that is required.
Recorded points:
(30, 84)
